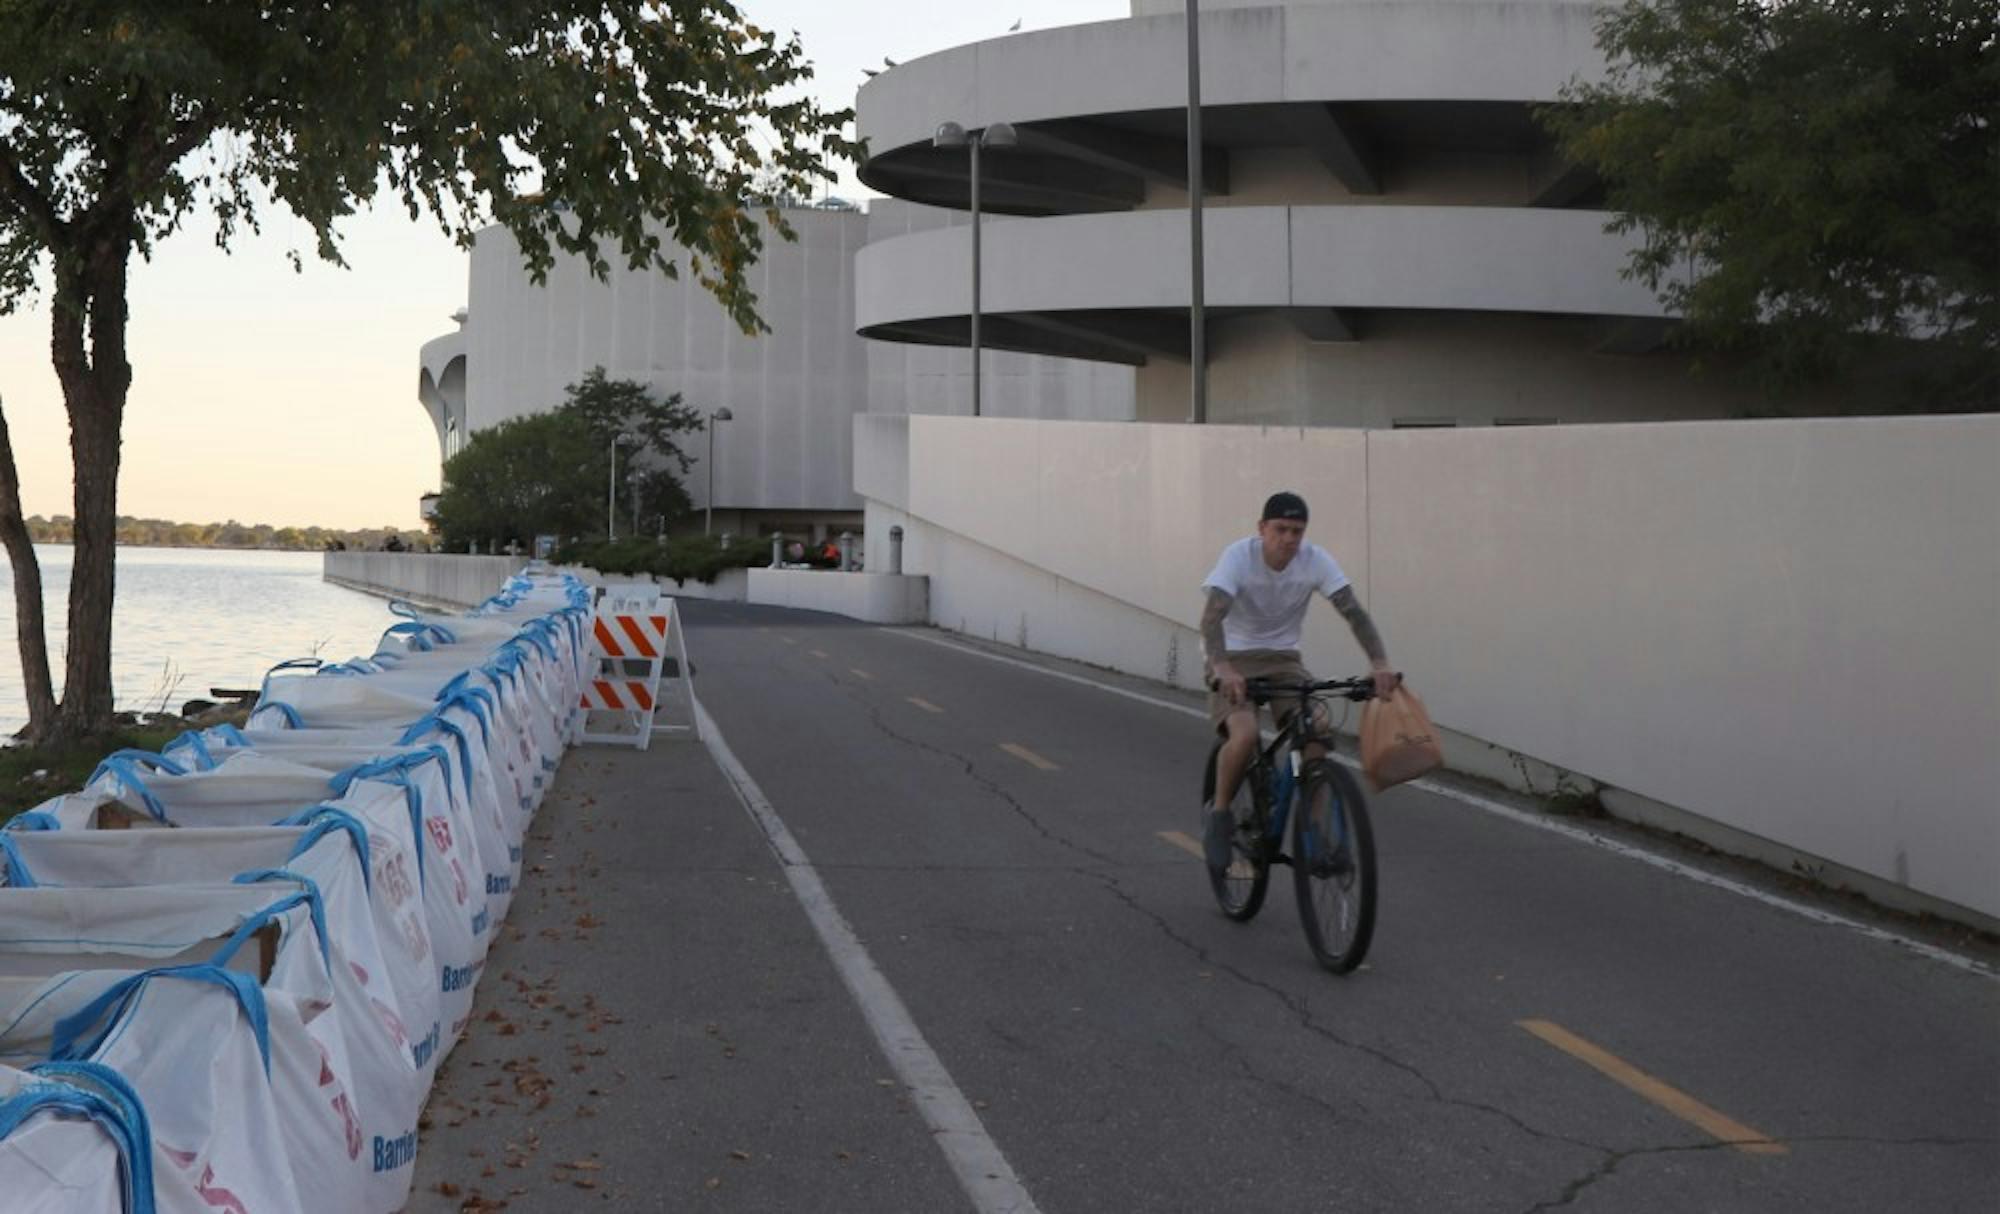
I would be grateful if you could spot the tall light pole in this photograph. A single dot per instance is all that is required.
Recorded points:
(1197, 326)
(611, 498)
(720, 415)
(997, 135)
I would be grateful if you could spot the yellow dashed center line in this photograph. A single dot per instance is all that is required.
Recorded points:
(859, 673)
(924, 704)
(1183, 841)
(1672, 1099)
(1029, 757)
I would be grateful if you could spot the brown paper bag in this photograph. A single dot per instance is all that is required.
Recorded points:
(1398, 742)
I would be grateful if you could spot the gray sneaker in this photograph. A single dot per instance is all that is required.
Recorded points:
(1215, 840)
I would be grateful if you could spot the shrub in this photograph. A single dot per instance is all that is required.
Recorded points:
(700, 557)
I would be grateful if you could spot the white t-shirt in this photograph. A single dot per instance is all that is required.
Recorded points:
(1268, 610)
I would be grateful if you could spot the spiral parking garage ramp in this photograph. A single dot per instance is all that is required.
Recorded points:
(1390, 238)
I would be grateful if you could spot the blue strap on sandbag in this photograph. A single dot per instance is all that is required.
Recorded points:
(309, 897)
(100, 1095)
(292, 718)
(537, 634)
(322, 820)
(315, 904)
(18, 875)
(145, 758)
(124, 765)
(230, 734)
(474, 701)
(394, 769)
(415, 631)
(66, 1039)
(195, 744)
(425, 726)
(33, 819)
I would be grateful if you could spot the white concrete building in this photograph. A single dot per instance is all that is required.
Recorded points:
(1390, 238)
(785, 457)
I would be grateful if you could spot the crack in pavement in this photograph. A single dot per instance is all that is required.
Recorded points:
(1614, 1159)
(1298, 1008)
(1111, 884)
(993, 789)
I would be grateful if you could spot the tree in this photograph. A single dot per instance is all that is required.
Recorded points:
(610, 128)
(549, 473)
(652, 462)
(524, 477)
(1812, 180)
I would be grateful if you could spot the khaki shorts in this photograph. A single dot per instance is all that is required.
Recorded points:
(1283, 664)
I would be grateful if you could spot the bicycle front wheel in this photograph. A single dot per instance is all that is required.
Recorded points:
(1239, 889)
(1333, 864)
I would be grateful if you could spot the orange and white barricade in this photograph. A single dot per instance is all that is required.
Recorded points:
(636, 646)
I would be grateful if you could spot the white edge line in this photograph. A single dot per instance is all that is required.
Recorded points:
(973, 1155)
(1575, 833)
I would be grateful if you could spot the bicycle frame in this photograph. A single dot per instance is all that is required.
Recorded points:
(1288, 746)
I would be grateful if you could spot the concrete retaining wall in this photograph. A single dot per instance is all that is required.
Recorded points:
(1782, 627)
(440, 578)
(879, 598)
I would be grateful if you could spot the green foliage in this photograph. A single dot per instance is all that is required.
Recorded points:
(700, 557)
(164, 533)
(549, 473)
(30, 775)
(596, 127)
(527, 476)
(1811, 179)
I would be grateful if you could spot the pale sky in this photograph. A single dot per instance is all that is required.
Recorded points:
(268, 396)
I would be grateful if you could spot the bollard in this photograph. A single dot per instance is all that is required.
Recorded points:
(846, 551)
(896, 549)
(777, 548)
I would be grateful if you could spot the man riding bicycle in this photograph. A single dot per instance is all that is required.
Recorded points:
(1250, 629)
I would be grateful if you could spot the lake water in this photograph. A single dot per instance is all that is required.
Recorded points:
(188, 619)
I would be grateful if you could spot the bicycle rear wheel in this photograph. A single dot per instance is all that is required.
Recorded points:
(1333, 864)
(1239, 889)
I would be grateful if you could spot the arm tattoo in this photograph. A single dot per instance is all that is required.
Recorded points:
(1211, 624)
(1357, 618)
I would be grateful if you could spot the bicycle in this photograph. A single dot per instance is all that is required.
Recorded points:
(1333, 847)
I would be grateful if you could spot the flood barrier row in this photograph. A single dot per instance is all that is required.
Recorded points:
(230, 969)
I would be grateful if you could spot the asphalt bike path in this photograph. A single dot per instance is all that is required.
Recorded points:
(658, 1028)
(1541, 1023)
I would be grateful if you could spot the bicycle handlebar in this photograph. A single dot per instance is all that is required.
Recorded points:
(1264, 690)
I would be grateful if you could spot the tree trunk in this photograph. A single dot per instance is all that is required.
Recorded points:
(91, 294)
(29, 628)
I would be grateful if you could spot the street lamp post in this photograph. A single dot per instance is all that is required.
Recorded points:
(1197, 322)
(611, 497)
(997, 135)
(720, 415)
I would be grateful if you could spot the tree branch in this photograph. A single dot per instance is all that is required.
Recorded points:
(17, 189)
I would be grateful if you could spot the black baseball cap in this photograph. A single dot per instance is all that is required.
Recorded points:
(1284, 505)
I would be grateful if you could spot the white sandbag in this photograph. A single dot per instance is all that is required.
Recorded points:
(193, 1044)
(495, 832)
(73, 1140)
(366, 701)
(266, 930)
(368, 910)
(433, 944)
